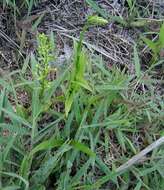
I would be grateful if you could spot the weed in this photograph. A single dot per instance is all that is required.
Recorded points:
(16, 4)
(45, 56)
(33, 151)
(80, 60)
(75, 131)
(157, 46)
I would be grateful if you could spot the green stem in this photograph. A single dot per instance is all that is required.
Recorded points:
(33, 131)
(79, 47)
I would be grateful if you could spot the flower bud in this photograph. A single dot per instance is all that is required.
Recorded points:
(96, 20)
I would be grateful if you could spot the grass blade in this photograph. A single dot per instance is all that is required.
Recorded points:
(137, 62)
(96, 7)
(83, 148)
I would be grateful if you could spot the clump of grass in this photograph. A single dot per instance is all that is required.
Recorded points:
(80, 60)
(106, 109)
(15, 4)
(156, 46)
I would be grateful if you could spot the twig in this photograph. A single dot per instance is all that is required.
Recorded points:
(138, 156)
(8, 39)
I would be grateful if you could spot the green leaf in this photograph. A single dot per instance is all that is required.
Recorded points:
(18, 177)
(119, 20)
(139, 23)
(131, 146)
(68, 102)
(15, 129)
(112, 176)
(137, 62)
(9, 146)
(83, 148)
(45, 145)
(38, 187)
(152, 45)
(80, 65)
(121, 139)
(96, 20)
(17, 118)
(96, 7)
(33, 66)
(102, 166)
(54, 85)
(26, 64)
(52, 41)
(138, 186)
(22, 111)
(36, 105)
(130, 3)
(48, 166)
(83, 83)
(13, 187)
(81, 172)
(37, 22)
(161, 36)
(107, 87)
(48, 144)
(30, 5)
(2, 104)
(25, 166)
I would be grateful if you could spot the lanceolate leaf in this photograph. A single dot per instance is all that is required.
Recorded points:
(81, 172)
(19, 119)
(83, 83)
(47, 167)
(82, 147)
(137, 62)
(2, 104)
(77, 79)
(151, 44)
(13, 187)
(14, 129)
(68, 101)
(161, 36)
(97, 8)
(45, 145)
(96, 20)
(48, 144)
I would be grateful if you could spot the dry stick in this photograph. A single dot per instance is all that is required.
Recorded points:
(138, 156)
(8, 39)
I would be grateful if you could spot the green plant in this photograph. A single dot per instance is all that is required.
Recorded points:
(111, 109)
(157, 46)
(14, 3)
(132, 20)
(77, 79)
(45, 56)
(97, 8)
(18, 5)
(41, 93)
